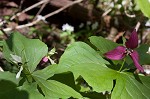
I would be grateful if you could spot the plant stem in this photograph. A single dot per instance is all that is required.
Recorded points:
(122, 65)
(28, 75)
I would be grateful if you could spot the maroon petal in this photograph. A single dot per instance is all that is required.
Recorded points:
(135, 58)
(116, 54)
(133, 40)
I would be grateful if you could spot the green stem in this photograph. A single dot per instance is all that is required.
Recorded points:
(122, 65)
(28, 75)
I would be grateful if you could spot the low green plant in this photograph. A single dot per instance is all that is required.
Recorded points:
(82, 72)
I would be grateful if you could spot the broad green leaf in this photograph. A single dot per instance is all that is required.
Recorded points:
(8, 87)
(30, 50)
(8, 90)
(32, 91)
(144, 6)
(66, 78)
(78, 53)
(144, 57)
(98, 76)
(47, 72)
(53, 89)
(128, 87)
(103, 44)
(9, 77)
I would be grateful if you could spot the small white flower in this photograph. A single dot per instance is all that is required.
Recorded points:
(124, 2)
(81, 25)
(95, 26)
(67, 27)
(112, 4)
(119, 6)
(148, 50)
(88, 22)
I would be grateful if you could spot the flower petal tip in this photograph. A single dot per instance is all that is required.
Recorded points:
(135, 57)
(133, 40)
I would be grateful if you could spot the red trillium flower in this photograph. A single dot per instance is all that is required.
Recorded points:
(121, 51)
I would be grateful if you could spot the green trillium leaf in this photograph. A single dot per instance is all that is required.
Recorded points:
(31, 51)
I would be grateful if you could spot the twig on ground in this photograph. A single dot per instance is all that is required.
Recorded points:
(61, 9)
(125, 7)
(113, 33)
(41, 9)
(127, 14)
(102, 19)
(120, 34)
(106, 12)
(21, 3)
(29, 8)
(137, 26)
(145, 34)
(46, 16)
